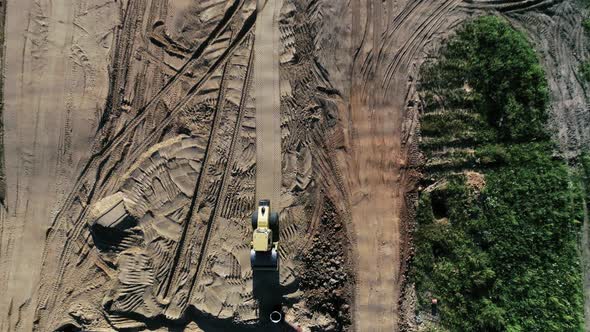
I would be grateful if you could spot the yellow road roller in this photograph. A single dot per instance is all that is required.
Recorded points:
(264, 253)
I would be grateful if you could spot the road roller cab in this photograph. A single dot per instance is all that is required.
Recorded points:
(262, 239)
(263, 248)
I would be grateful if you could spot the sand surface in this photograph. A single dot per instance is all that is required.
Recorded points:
(134, 139)
(57, 81)
(267, 94)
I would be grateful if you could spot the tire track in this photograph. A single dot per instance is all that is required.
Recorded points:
(142, 113)
(559, 38)
(508, 6)
(268, 112)
(73, 235)
(124, 41)
(221, 199)
(376, 173)
(199, 185)
(191, 237)
(171, 117)
(425, 28)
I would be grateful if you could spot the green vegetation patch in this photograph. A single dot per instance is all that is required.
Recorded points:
(498, 226)
(585, 70)
(585, 173)
(491, 68)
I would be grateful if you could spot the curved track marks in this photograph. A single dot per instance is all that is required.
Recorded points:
(510, 6)
(561, 45)
(387, 44)
(93, 182)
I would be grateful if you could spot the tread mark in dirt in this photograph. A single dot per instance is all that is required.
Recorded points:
(121, 137)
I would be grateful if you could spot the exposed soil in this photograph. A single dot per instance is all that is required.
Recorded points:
(327, 275)
(130, 144)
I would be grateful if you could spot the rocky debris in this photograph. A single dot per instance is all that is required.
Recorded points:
(327, 279)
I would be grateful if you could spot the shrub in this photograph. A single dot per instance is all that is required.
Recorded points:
(585, 70)
(505, 257)
(498, 63)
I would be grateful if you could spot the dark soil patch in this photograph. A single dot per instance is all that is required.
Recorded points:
(327, 277)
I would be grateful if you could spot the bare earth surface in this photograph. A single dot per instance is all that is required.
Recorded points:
(131, 144)
(268, 103)
(377, 134)
(56, 69)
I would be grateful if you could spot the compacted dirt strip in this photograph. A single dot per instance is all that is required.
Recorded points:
(267, 96)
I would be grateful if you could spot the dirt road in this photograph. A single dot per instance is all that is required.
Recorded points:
(386, 41)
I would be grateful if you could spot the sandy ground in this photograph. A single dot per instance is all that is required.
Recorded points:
(385, 48)
(268, 103)
(56, 66)
(133, 140)
(153, 229)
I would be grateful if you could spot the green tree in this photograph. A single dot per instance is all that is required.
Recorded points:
(502, 257)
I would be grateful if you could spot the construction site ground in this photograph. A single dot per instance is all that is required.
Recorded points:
(130, 148)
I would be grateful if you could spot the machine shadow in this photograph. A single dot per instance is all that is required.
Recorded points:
(269, 293)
